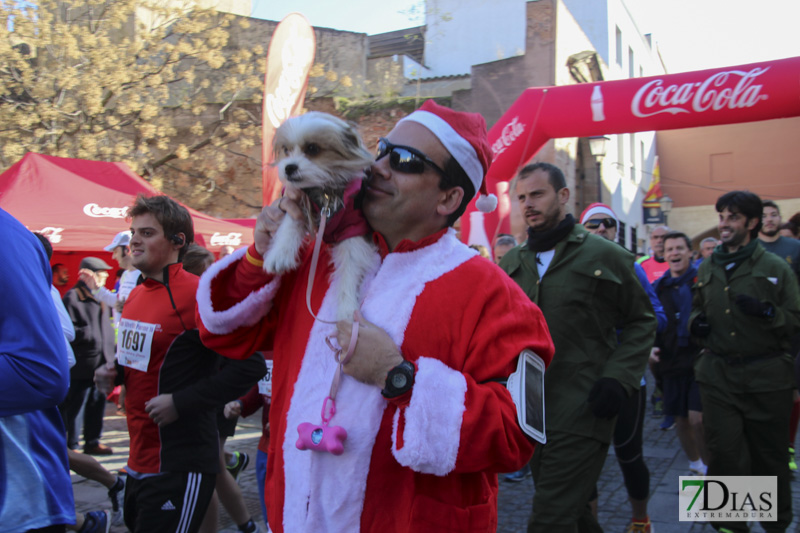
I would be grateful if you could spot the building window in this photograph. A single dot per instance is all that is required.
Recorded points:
(634, 240)
(621, 234)
(642, 164)
(631, 63)
(633, 157)
(619, 47)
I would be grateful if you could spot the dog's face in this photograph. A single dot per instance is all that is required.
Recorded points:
(318, 150)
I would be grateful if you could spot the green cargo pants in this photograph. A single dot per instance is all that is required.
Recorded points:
(746, 435)
(565, 471)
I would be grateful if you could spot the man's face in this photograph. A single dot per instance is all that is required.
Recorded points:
(400, 205)
(609, 233)
(60, 276)
(541, 205)
(122, 256)
(151, 251)
(657, 241)
(707, 248)
(734, 228)
(500, 250)
(677, 255)
(770, 222)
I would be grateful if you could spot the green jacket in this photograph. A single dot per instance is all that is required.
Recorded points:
(589, 290)
(734, 334)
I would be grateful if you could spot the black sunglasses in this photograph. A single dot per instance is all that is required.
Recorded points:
(405, 159)
(595, 223)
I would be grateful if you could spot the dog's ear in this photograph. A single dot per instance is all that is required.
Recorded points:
(357, 148)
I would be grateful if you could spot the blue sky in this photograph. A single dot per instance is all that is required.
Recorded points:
(733, 32)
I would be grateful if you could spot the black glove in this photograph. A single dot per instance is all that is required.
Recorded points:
(751, 306)
(606, 398)
(700, 326)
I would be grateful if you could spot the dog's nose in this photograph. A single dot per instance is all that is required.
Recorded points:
(290, 169)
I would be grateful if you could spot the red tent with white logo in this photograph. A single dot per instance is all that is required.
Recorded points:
(80, 205)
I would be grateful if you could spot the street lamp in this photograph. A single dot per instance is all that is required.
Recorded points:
(597, 147)
(666, 207)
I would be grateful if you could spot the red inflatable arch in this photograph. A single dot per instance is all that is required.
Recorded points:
(746, 93)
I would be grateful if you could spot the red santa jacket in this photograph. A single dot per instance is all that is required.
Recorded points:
(426, 461)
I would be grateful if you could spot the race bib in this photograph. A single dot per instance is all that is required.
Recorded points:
(134, 342)
(265, 384)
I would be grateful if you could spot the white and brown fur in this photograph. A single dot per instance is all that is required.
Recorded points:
(320, 154)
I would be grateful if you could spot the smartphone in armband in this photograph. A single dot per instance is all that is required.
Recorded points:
(526, 386)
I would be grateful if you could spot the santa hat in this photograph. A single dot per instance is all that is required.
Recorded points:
(597, 209)
(464, 136)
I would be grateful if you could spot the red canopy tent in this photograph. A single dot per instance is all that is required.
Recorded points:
(80, 205)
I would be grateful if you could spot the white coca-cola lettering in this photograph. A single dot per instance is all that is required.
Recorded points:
(52, 234)
(94, 210)
(294, 58)
(226, 239)
(718, 91)
(510, 133)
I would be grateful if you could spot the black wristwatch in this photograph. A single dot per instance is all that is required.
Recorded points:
(399, 380)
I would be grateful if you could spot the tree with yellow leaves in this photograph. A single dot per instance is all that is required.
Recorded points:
(144, 82)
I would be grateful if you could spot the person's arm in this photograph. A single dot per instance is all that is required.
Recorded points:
(658, 309)
(33, 361)
(235, 295)
(638, 328)
(459, 416)
(101, 294)
(232, 381)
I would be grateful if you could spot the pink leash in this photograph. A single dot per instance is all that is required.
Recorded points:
(337, 377)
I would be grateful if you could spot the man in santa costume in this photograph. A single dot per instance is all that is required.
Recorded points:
(429, 422)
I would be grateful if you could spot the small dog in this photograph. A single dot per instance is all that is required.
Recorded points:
(321, 155)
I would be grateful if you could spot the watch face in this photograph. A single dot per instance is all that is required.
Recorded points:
(399, 381)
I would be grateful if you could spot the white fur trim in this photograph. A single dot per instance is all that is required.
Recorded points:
(245, 313)
(598, 210)
(486, 204)
(458, 146)
(324, 492)
(432, 431)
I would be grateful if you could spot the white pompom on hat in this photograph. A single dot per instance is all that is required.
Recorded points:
(597, 209)
(464, 136)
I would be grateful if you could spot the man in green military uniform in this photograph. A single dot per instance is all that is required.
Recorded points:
(746, 308)
(586, 288)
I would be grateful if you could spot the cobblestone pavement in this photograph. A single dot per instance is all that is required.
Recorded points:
(661, 449)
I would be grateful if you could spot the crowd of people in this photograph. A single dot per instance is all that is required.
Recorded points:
(418, 423)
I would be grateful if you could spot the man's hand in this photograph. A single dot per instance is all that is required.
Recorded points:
(751, 306)
(104, 377)
(700, 326)
(375, 354)
(162, 409)
(606, 398)
(655, 352)
(89, 278)
(120, 304)
(232, 409)
(271, 217)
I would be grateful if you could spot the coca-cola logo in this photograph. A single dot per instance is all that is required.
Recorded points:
(294, 59)
(510, 133)
(734, 89)
(94, 210)
(226, 239)
(52, 234)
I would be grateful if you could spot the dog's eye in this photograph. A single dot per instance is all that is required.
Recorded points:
(285, 150)
(312, 149)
